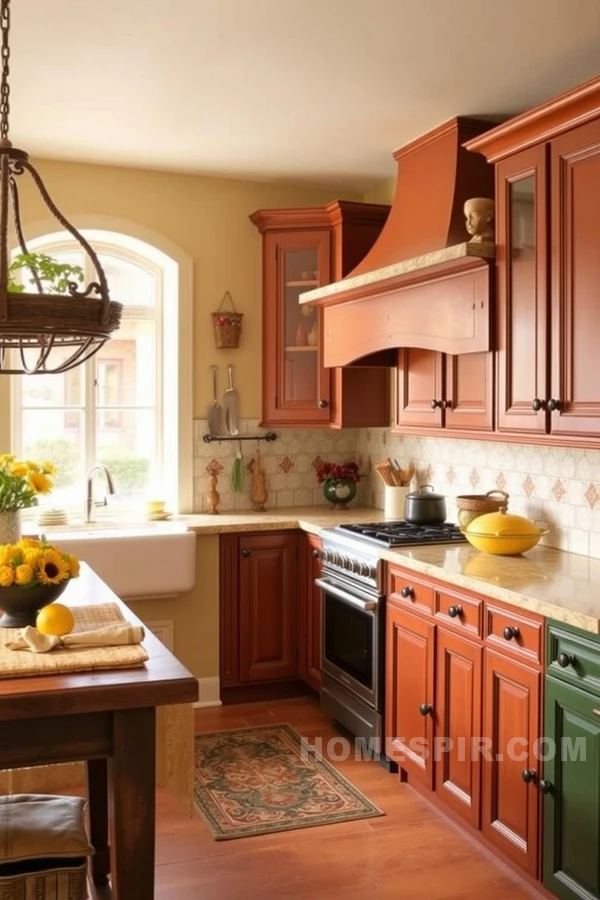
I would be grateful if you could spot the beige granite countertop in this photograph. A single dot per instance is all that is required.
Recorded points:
(559, 585)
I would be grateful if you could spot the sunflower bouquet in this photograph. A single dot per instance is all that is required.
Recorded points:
(21, 481)
(31, 562)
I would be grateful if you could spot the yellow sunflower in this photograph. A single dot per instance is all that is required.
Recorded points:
(6, 458)
(28, 543)
(9, 553)
(32, 557)
(39, 483)
(48, 468)
(19, 469)
(23, 574)
(52, 568)
(7, 576)
(73, 564)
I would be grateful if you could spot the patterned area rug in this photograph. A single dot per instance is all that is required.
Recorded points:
(255, 781)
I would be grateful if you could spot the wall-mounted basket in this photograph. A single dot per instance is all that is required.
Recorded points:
(227, 325)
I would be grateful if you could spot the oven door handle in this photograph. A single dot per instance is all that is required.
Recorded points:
(326, 585)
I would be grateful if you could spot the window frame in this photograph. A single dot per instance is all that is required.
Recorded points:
(173, 342)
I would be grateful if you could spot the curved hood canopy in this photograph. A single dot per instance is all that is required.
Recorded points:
(423, 283)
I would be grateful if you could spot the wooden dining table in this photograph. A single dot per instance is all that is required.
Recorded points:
(107, 719)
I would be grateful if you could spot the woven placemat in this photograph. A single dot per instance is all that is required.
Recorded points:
(17, 663)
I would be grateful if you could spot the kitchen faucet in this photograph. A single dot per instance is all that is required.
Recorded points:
(91, 504)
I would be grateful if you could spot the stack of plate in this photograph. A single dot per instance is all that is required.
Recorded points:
(48, 517)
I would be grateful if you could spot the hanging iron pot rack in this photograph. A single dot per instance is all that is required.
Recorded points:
(42, 332)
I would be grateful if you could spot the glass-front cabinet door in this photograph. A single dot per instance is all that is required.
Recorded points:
(522, 292)
(297, 387)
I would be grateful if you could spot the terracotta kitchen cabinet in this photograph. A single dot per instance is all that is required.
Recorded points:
(304, 248)
(463, 680)
(310, 614)
(511, 799)
(259, 608)
(410, 660)
(548, 268)
(436, 391)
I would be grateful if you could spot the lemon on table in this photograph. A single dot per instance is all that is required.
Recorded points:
(55, 619)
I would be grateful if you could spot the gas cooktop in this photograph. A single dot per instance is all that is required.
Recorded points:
(403, 534)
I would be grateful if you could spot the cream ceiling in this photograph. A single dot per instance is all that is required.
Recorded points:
(304, 90)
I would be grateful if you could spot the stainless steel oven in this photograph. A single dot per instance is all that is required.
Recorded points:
(351, 636)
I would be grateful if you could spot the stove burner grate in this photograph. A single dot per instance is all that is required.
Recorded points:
(400, 533)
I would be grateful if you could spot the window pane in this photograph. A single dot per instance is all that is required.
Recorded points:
(129, 284)
(57, 436)
(54, 390)
(126, 366)
(128, 450)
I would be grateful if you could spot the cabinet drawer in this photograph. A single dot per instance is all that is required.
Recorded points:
(513, 632)
(460, 612)
(409, 591)
(573, 657)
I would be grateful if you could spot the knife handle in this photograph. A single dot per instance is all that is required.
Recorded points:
(230, 373)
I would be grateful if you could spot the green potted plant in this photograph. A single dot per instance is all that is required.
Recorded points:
(54, 277)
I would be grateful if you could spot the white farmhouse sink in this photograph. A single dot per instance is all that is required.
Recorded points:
(153, 560)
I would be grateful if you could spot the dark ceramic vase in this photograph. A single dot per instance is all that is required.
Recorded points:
(339, 491)
(21, 605)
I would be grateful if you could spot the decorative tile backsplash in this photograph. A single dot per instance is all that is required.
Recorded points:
(560, 486)
(288, 464)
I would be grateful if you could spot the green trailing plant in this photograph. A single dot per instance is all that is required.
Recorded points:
(54, 277)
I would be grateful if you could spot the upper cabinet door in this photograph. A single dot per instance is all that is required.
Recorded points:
(296, 387)
(576, 282)
(419, 389)
(469, 394)
(522, 291)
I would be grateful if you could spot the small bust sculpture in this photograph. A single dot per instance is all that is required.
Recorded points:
(479, 213)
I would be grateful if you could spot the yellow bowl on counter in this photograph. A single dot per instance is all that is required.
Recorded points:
(503, 534)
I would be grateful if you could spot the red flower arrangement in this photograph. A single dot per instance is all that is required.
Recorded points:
(327, 472)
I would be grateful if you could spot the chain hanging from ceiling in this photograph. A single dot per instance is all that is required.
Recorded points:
(42, 332)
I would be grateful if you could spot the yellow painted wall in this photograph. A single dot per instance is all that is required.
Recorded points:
(195, 614)
(383, 193)
(208, 219)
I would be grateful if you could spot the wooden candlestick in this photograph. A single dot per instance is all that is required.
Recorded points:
(213, 498)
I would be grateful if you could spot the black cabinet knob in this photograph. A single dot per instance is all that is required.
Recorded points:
(552, 405)
(425, 709)
(454, 611)
(545, 786)
(528, 775)
(510, 632)
(323, 404)
(245, 552)
(446, 404)
(407, 591)
(565, 659)
(538, 404)
(436, 403)
(316, 553)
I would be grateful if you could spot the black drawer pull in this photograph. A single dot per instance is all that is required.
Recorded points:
(407, 591)
(245, 552)
(455, 611)
(528, 775)
(565, 659)
(546, 787)
(510, 632)
(425, 709)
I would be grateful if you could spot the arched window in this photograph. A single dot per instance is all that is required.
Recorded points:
(121, 408)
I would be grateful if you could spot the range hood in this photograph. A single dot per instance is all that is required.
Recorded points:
(423, 283)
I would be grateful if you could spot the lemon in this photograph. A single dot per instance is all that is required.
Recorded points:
(55, 619)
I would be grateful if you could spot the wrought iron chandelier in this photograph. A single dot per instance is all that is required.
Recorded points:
(42, 332)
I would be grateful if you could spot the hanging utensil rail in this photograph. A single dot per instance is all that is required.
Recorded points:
(269, 437)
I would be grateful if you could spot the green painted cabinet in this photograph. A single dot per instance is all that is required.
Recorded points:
(571, 788)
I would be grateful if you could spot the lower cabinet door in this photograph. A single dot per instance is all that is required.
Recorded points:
(571, 789)
(311, 634)
(409, 689)
(268, 595)
(457, 753)
(511, 800)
